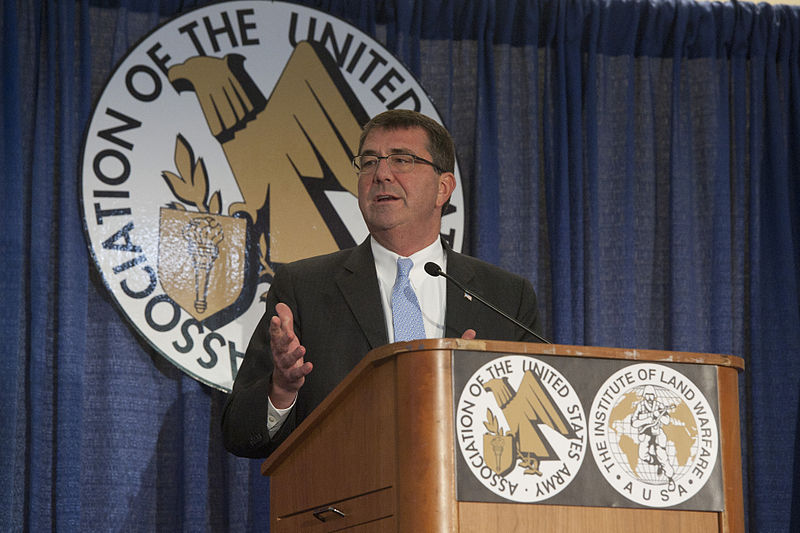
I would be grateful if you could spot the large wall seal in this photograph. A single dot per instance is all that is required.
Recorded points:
(220, 148)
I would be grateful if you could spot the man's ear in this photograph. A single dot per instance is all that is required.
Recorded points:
(447, 184)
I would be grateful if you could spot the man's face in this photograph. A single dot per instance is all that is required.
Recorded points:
(410, 201)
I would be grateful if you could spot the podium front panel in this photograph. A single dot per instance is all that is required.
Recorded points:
(382, 452)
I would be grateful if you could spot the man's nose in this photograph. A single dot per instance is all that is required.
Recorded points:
(383, 171)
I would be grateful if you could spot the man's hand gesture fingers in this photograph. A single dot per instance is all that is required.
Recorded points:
(287, 355)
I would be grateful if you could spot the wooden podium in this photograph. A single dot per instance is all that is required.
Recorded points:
(379, 453)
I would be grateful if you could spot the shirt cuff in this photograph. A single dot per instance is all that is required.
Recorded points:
(276, 417)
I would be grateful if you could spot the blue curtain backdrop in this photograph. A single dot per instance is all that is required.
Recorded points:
(637, 161)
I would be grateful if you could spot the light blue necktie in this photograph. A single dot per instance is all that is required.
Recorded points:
(406, 313)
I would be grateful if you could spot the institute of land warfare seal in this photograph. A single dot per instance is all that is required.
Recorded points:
(220, 148)
(521, 428)
(654, 436)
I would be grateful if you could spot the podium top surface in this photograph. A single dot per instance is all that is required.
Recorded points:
(534, 348)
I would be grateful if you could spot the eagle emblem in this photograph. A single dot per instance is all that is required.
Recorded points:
(525, 411)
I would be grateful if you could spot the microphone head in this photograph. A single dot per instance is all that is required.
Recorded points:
(433, 269)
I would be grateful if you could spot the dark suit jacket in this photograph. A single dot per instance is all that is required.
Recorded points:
(338, 317)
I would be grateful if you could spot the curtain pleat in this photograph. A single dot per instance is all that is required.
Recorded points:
(13, 238)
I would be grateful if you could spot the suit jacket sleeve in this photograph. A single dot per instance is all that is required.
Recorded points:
(338, 318)
(244, 418)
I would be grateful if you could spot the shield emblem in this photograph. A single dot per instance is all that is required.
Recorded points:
(201, 260)
(499, 452)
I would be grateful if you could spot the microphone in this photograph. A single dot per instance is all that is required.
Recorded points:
(435, 270)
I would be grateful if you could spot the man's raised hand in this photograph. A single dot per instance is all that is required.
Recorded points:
(290, 370)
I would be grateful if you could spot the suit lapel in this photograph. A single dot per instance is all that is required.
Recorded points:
(358, 282)
(460, 311)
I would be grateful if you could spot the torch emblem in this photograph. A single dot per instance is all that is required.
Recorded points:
(203, 235)
(201, 260)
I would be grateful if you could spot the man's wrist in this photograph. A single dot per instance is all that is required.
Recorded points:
(280, 397)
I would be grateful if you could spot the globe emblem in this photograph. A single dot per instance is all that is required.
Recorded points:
(653, 435)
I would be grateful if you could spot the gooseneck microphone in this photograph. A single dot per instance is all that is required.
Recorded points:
(435, 270)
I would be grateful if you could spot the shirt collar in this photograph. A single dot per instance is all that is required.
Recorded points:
(386, 260)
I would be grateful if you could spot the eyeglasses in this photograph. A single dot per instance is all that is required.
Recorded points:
(399, 163)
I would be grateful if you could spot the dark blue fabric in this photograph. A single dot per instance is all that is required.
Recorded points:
(12, 282)
(637, 161)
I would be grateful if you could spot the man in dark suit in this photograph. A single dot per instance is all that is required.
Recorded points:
(325, 313)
